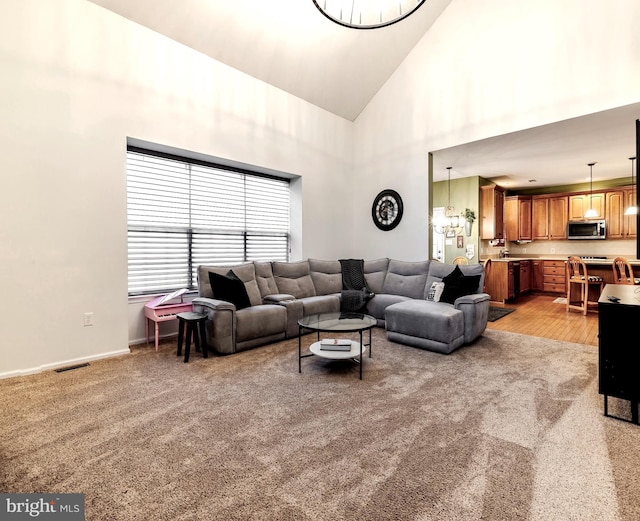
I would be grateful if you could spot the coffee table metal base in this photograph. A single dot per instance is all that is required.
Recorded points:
(355, 353)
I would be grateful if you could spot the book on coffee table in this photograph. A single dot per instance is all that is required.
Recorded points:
(335, 344)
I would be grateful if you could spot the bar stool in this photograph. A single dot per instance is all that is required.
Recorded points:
(623, 272)
(192, 320)
(462, 261)
(577, 274)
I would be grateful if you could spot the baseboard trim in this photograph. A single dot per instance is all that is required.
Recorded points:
(151, 342)
(56, 365)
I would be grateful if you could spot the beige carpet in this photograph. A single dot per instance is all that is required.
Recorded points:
(508, 428)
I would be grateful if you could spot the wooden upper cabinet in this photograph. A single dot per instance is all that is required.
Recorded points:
(518, 218)
(540, 218)
(580, 203)
(491, 212)
(558, 217)
(630, 221)
(615, 214)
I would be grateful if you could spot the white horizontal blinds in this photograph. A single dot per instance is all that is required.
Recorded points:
(182, 215)
(217, 198)
(158, 223)
(267, 217)
(157, 260)
(157, 191)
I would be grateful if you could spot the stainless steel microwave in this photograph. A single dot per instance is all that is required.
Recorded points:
(587, 229)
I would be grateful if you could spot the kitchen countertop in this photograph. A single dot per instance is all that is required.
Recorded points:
(601, 262)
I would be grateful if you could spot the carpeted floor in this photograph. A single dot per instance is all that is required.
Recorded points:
(508, 428)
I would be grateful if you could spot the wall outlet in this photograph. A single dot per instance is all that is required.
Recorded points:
(553, 250)
(524, 250)
(88, 318)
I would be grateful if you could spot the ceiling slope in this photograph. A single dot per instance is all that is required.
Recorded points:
(288, 44)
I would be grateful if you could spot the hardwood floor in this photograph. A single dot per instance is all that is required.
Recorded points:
(538, 315)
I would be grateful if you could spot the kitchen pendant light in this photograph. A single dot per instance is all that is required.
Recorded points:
(450, 222)
(591, 213)
(632, 209)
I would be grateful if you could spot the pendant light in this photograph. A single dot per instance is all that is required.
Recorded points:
(450, 211)
(632, 209)
(450, 221)
(591, 213)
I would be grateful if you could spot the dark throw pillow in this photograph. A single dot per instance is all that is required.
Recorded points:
(230, 289)
(456, 284)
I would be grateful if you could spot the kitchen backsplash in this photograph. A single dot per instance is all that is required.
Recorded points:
(625, 248)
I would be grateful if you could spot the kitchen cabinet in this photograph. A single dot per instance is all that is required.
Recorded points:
(537, 275)
(540, 217)
(554, 276)
(491, 212)
(501, 284)
(580, 203)
(525, 276)
(614, 210)
(558, 217)
(517, 211)
(630, 222)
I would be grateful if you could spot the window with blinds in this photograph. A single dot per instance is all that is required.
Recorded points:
(182, 214)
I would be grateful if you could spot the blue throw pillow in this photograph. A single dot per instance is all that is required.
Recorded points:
(230, 289)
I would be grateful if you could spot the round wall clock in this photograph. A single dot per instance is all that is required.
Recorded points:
(387, 210)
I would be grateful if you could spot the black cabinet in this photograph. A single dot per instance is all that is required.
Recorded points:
(618, 352)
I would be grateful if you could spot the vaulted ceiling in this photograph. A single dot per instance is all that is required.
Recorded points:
(290, 45)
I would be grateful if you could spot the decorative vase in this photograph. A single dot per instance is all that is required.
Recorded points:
(467, 228)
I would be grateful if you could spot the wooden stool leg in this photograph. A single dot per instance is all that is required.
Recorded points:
(196, 340)
(203, 340)
(187, 347)
(180, 335)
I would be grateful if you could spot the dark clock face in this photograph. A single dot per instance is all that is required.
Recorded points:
(387, 210)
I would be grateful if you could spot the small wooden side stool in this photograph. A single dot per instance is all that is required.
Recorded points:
(192, 320)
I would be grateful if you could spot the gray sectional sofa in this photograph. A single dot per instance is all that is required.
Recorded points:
(275, 295)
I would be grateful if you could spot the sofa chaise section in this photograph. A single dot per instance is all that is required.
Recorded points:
(440, 326)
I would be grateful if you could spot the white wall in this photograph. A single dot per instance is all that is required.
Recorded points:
(77, 80)
(487, 68)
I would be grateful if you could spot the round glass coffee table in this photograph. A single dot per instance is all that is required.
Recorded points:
(336, 323)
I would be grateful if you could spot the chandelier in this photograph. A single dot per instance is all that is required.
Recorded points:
(450, 221)
(632, 209)
(367, 14)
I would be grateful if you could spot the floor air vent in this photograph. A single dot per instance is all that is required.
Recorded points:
(70, 368)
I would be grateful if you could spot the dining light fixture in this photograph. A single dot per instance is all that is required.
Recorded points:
(591, 213)
(365, 14)
(632, 209)
(451, 221)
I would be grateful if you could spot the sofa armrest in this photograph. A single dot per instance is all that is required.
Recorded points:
(220, 326)
(206, 304)
(476, 298)
(277, 298)
(294, 309)
(475, 309)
